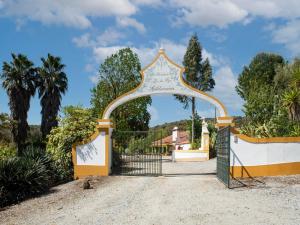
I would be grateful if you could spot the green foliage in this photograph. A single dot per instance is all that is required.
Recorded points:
(291, 101)
(7, 151)
(25, 176)
(52, 82)
(5, 127)
(77, 124)
(277, 126)
(270, 88)
(197, 126)
(119, 74)
(260, 72)
(196, 144)
(198, 73)
(19, 78)
(213, 132)
(295, 131)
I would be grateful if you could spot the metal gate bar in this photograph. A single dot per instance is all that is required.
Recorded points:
(138, 153)
(223, 155)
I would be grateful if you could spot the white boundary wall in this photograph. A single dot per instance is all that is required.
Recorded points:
(178, 155)
(245, 153)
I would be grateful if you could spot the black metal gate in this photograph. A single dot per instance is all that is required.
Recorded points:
(223, 155)
(137, 153)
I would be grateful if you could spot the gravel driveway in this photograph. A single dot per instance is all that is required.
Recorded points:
(188, 193)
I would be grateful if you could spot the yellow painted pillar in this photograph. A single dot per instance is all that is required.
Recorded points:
(93, 156)
(224, 122)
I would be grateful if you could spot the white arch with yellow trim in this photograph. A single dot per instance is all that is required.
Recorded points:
(163, 76)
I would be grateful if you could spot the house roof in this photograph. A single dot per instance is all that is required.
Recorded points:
(183, 138)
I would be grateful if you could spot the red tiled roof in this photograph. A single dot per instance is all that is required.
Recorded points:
(183, 138)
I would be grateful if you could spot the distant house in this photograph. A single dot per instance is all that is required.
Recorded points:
(178, 140)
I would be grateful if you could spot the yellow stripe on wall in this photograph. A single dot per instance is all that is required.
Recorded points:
(266, 170)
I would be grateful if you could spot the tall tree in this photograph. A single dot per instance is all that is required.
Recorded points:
(52, 83)
(256, 87)
(198, 73)
(119, 74)
(19, 78)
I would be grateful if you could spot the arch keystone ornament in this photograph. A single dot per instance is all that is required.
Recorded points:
(162, 76)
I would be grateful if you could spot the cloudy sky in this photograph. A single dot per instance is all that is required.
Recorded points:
(84, 33)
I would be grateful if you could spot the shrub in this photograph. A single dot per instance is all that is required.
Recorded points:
(21, 177)
(77, 124)
(27, 175)
(7, 151)
(213, 132)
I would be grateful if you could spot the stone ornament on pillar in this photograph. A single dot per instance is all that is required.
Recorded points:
(204, 137)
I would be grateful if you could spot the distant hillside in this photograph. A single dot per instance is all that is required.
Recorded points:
(33, 133)
(182, 124)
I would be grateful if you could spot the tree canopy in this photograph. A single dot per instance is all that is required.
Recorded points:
(19, 81)
(270, 88)
(52, 82)
(119, 74)
(198, 73)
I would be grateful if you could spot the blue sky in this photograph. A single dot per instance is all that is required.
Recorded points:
(84, 33)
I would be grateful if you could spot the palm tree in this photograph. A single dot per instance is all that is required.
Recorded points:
(52, 83)
(19, 82)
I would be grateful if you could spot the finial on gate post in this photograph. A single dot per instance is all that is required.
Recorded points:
(161, 49)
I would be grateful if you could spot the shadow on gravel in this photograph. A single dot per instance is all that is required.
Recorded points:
(246, 183)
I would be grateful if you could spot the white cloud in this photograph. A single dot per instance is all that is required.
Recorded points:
(153, 3)
(94, 79)
(288, 35)
(109, 36)
(84, 41)
(75, 13)
(153, 112)
(89, 67)
(222, 13)
(130, 22)
(205, 13)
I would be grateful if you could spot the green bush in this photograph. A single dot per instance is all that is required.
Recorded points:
(7, 151)
(77, 124)
(20, 178)
(213, 132)
(25, 176)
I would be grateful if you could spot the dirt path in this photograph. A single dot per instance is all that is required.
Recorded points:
(194, 196)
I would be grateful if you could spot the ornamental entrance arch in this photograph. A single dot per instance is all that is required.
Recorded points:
(93, 156)
(163, 76)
